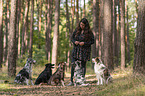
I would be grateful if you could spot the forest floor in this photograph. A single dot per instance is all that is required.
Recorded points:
(124, 84)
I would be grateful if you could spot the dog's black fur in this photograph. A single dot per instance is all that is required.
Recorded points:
(45, 75)
(25, 74)
(58, 77)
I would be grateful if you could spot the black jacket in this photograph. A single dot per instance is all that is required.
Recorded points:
(81, 52)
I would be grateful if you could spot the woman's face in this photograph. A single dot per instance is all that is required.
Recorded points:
(82, 25)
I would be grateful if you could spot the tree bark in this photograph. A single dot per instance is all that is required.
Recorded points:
(95, 46)
(6, 34)
(56, 32)
(118, 34)
(31, 29)
(101, 28)
(127, 35)
(39, 22)
(122, 4)
(48, 30)
(12, 41)
(68, 35)
(72, 14)
(24, 29)
(108, 48)
(139, 54)
(84, 10)
(77, 12)
(1, 33)
(115, 49)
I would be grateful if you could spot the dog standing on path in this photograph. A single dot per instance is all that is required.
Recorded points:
(102, 72)
(58, 77)
(45, 75)
(25, 74)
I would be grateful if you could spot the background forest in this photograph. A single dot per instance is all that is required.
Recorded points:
(42, 29)
(38, 36)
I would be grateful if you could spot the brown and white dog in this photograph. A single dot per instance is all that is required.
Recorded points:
(102, 72)
(58, 77)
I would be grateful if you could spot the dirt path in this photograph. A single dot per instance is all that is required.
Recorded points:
(47, 90)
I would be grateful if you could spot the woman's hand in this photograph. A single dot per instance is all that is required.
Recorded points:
(77, 42)
(81, 43)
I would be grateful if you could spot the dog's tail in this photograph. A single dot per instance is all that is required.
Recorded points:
(108, 79)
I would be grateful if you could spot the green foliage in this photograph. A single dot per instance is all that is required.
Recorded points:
(38, 55)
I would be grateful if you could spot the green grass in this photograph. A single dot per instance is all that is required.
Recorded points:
(125, 83)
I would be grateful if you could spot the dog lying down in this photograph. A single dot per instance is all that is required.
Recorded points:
(58, 77)
(45, 75)
(25, 74)
(102, 72)
(78, 74)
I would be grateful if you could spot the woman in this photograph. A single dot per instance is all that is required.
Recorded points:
(82, 40)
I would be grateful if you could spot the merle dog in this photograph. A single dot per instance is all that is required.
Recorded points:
(24, 75)
(58, 77)
(78, 74)
(45, 75)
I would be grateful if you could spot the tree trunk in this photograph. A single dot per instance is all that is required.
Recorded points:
(84, 10)
(122, 3)
(72, 13)
(108, 48)
(56, 32)
(118, 34)
(24, 30)
(39, 22)
(95, 46)
(96, 26)
(139, 54)
(68, 35)
(17, 26)
(77, 12)
(1, 33)
(20, 28)
(115, 49)
(6, 34)
(101, 28)
(31, 29)
(12, 41)
(48, 30)
(127, 35)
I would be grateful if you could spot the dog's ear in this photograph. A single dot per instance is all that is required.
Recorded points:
(97, 59)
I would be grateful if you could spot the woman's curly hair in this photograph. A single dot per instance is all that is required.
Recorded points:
(87, 31)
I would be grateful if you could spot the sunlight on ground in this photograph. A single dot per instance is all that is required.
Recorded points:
(124, 84)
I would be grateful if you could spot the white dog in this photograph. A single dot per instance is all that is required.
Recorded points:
(102, 72)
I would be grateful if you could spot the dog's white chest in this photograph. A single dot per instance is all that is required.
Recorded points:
(99, 68)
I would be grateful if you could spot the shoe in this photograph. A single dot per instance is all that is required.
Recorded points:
(70, 84)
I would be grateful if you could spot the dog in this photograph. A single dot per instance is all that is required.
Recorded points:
(45, 75)
(58, 77)
(78, 74)
(102, 72)
(24, 75)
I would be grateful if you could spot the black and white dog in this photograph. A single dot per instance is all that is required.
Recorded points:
(24, 75)
(45, 75)
(78, 74)
(102, 72)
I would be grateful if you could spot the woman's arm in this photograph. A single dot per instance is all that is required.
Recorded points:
(89, 42)
(73, 39)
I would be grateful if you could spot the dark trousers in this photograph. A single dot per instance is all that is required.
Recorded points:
(83, 69)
